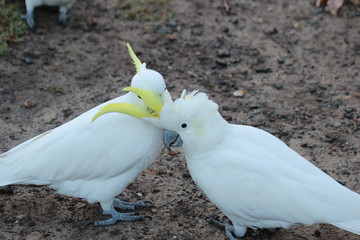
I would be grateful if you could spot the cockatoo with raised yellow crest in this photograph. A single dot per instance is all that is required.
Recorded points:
(98, 154)
(64, 9)
(252, 176)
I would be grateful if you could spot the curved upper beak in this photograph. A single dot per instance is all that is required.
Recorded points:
(171, 139)
(152, 100)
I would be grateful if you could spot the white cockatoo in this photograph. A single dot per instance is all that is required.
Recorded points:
(252, 176)
(64, 9)
(95, 156)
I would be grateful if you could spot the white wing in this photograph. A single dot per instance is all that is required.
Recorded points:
(79, 157)
(258, 181)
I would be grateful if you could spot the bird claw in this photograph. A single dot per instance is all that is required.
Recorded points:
(63, 17)
(218, 222)
(29, 19)
(116, 216)
(130, 206)
(229, 229)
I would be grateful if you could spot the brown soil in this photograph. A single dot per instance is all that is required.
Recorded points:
(297, 65)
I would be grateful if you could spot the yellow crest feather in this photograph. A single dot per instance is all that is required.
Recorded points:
(136, 60)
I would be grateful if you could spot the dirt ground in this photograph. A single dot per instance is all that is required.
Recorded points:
(299, 68)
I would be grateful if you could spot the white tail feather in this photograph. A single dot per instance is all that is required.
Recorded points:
(351, 226)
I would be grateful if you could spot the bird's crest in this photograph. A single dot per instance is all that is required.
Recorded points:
(184, 95)
(133, 56)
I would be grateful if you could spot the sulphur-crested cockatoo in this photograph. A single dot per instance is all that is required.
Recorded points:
(252, 176)
(95, 156)
(64, 9)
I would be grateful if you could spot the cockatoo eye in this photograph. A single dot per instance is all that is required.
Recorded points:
(184, 125)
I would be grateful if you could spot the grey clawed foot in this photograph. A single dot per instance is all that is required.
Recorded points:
(229, 229)
(130, 206)
(116, 216)
(29, 19)
(63, 17)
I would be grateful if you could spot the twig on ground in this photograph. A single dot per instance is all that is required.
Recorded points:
(276, 41)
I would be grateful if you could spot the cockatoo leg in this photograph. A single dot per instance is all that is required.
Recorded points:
(116, 216)
(128, 205)
(229, 229)
(29, 18)
(64, 15)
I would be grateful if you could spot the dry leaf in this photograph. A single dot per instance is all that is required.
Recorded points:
(334, 6)
(320, 2)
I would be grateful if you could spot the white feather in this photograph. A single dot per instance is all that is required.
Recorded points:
(94, 161)
(252, 176)
(31, 4)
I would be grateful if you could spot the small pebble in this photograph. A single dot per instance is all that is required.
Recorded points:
(312, 89)
(193, 222)
(304, 144)
(161, 31)
(169, 158)
(186, 175)
(28, 104)
(172, 37)
(284, 132)
(1, 89)
(220, 62)
(254, 112)
(350, 110)
(163, 43)
(35, 236)
(281, 60)
(13, 137)
(28, 60)
(172, 153)
(224, 88)
(244, 71)
(239, 94)
(48, 118)
(235, 20)
(329, 138)
(223, 53)
(154, 210)
(278, 86)
(208, 72)
(337, 124)
(172, 24)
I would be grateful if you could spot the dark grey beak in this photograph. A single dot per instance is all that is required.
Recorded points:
(171, 139)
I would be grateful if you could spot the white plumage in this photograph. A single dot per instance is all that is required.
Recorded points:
(252, 176)
(64, 9)
(91, 160)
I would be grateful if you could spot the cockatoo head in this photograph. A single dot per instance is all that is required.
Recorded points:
(149, 86)
(148, 79)
(193, 116)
